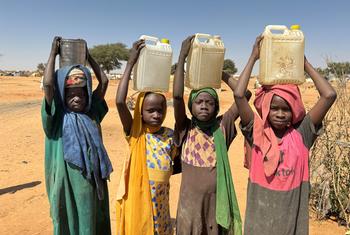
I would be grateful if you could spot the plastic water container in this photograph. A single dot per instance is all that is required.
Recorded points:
(282, 56)
(72, 51)
(205, 62)
(152, 70)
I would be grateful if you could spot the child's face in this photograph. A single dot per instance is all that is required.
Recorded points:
(204, 107)
(153, 109)
(280, 115)
(76, 98)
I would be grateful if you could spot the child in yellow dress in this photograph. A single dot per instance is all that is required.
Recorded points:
(143, 194)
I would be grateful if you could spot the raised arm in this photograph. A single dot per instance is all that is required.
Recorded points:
(120, 100)
(326, 91)
(49, 74)
(100, 75)
(178, 86)
(232, 83)
(245, 111)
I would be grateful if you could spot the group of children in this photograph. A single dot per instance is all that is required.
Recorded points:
(278, 139)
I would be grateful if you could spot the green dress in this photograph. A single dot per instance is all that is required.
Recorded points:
(74, 204)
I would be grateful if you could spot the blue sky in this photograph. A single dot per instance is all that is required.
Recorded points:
(28, 26)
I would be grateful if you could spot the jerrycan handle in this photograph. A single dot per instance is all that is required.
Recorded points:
(150, 38)
(203, 35)
(269, 28)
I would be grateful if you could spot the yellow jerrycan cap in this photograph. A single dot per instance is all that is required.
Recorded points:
(165, 40)
(295, 27)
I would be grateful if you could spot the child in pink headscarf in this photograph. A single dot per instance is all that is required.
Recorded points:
(280, 136)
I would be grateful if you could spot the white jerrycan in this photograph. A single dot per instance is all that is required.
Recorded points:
(152, 70)
(282, 56)
(205, 62)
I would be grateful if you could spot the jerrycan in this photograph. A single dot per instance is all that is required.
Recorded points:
(152, 70)
(282, 56)
(205, 62)
(72, 51)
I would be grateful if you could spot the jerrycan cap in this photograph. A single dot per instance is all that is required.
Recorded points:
(295, 27)
(165, 40)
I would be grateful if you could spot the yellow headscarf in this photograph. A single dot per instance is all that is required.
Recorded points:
(134, 205)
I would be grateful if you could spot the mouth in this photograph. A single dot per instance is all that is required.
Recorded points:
(280, 123)
(204, 114)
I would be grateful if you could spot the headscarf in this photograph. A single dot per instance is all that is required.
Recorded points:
(134, 202)
(227, 210)
(76, 78)
(82, 142)
(263, 134)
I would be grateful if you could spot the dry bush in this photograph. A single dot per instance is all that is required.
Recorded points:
(330, 161)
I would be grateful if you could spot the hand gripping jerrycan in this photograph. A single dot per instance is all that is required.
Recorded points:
(205, 62)
(152, 70)
(282, 56)
(72, 51)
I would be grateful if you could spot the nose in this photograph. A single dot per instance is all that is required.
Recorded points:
(203, 106)
(157, 115)
(280, 114)
(76, 99)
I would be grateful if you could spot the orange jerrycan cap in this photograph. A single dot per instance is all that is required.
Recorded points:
(295, 27)
(165, 40)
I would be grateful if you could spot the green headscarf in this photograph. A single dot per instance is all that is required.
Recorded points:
(227, 210)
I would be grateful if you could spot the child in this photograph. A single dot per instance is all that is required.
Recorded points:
(76, 162)
(280, 136)
(143, 194)
(207, 202)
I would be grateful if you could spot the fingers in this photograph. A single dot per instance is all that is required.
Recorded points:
(57, 38)
(258, 39)
(189, 38)
(138, 43)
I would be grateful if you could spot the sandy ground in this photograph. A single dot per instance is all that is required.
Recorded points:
(24, 207)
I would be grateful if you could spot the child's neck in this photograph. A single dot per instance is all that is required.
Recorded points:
(152, 129)
(279, 133)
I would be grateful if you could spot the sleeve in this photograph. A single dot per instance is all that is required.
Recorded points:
(50, 117)
(98, 109)
(247, 132)
(228, 126)
(309, 131)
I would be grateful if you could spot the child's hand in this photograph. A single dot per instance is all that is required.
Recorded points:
(186, 46)
(256, 47)
(135, 51)
(305, 61)
(55, 48)
(88, 56)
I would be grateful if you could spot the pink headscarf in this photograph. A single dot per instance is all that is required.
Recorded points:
(263, 135)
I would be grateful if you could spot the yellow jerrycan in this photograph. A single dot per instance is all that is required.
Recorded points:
(152, 70)
(205, 62)
(282, 56)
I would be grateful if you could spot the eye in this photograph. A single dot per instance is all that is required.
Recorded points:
(286, 109)
(212, 103)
